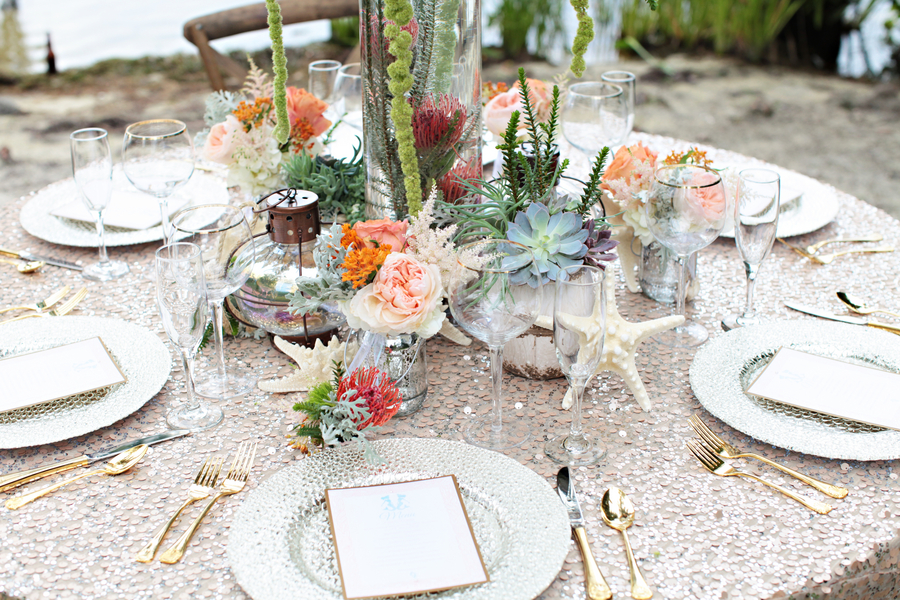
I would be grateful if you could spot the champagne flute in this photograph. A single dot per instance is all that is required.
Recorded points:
(92, 169)
(181, 298)
(756, 208)
(219, 230)
(594, 115)
(626, 81)
(348, 95)
(158, 158)
(494, 297)
(580, 301)
(686, 210)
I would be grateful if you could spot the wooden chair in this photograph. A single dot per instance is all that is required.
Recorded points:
(252, 17)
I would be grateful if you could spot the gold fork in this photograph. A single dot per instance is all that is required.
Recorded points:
(813, 248)
(40, 305)
(234, 482)
(824, 259)
(718, 466)
(204, 485)
(63, 309)
(726, 450)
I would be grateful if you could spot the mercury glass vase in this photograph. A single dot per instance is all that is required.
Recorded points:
(401, 357)
(445, 101)
(659, 274)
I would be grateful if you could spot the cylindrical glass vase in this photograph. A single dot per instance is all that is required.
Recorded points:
(659, 274)
(401, 357)
(445, 101)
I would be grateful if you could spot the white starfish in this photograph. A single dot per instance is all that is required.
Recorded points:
(629, 260)
(314, 365)
(620, 342)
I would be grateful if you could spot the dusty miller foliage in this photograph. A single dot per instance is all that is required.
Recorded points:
(327, 286)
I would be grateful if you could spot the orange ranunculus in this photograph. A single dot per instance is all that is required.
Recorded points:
(622, 166)
(381, 232)
(303, 105)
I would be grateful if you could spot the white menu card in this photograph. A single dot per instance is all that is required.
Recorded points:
(403, 538)
(46, 375)
(834, 387)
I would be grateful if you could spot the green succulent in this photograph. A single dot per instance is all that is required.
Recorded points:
(339, 183)
(556, 241)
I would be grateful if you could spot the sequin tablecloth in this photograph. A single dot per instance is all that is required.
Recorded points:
(696, 535)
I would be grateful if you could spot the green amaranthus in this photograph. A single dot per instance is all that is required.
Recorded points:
(279, 64)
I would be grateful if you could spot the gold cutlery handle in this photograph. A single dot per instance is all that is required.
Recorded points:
(594, 584)
(11, 308)
(884, 326)
(20, 501)
(639, 588)
(147, 553)
(22, 317)
(13, 480)
(863, 251)
(174, 554)
(826, 488)
(813, 505)
(813, 248)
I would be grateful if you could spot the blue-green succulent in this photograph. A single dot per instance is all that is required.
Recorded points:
(556, 241)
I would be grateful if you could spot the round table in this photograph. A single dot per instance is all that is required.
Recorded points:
(696, 535)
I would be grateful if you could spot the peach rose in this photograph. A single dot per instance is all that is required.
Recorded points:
(703, 205)
(221, 143)
(404, 298)
(383, 231)
(500, 108)
(622, 166)
(303, 105)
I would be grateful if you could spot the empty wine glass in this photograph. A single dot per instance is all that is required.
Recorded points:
(158, 158)
(348, 90)
(92, 170)
(494, 297)
(756, 206)
(181, 298)
(626, 81)
(322, 76)
(594, 115)
(219, 230)
(686, 210)
(579, 327)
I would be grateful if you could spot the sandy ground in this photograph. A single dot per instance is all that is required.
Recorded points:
(843, 132)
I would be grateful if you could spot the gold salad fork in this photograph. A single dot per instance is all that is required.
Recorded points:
(40, 305)
(718, 466)
(813, 248)
(63, 309)
(726, 450)
(204, 485)
(234, 482)
(824, 259)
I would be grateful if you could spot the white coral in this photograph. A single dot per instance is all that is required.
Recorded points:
(314, 365)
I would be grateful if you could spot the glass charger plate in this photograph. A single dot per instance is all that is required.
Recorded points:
(724, 367)
(280, 543)
(141, 356)
(203, 188)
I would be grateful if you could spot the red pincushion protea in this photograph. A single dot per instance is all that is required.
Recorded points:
(451, 183)
(438, 126)
(379, 391)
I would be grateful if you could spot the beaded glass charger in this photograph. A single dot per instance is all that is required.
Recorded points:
(141, 356)
(726, 366)
(280, 543)
(202, 188)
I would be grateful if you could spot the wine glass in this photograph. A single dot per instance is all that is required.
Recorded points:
(594, 115)
(495, 297)
(348, 95)
(219, 230)
(158, 158)
(686, 210)
(92, 169)
(756, 207)
(182, 302)
(579, 309)
(626, 81)
(322, 76)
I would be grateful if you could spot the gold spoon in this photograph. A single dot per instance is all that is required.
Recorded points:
(117, 465)
(861, 308)
(618, 512)
(27, 267)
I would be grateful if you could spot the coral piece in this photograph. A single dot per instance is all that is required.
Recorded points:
(629, 260)
(314, 365)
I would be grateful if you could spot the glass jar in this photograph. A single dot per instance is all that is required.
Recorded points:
(659, 274)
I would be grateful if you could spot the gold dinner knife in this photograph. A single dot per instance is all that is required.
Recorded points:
(594, 584)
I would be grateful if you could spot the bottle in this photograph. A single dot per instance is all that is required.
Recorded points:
(51, 58)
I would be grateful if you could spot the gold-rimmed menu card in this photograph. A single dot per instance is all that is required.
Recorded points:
(403, 538)
(60, 372)
(834, 387)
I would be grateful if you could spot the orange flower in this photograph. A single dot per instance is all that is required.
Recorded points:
(303, 106)
(491, 89)
(251, 114)
(362, 265)
(300, 132)
(691, 157)
(350, 237)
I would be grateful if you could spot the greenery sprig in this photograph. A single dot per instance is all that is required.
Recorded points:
(585, 34)
(279, 66)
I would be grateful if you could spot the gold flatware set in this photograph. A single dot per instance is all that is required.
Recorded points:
(39, 309)
(825, 259)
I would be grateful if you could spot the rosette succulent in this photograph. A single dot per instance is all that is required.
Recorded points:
(557, 242)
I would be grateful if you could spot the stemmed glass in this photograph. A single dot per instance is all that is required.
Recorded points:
(348, 95)
(756, 208)
(579, 326)
(92, 169)
(686, 210)
(494, 298)
(218, 230)
(158, 158)
(626, 81)
(594, 115)
(322, 76)
(181, 298)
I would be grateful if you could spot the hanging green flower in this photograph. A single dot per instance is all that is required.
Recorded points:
(279, 63)
(585, 33)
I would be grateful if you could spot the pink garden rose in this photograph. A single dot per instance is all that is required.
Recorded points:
(500, 108)
(706, 204)
(221, 141)
(405, 297)
(383, 231)
(623, 164)
(303, 105)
